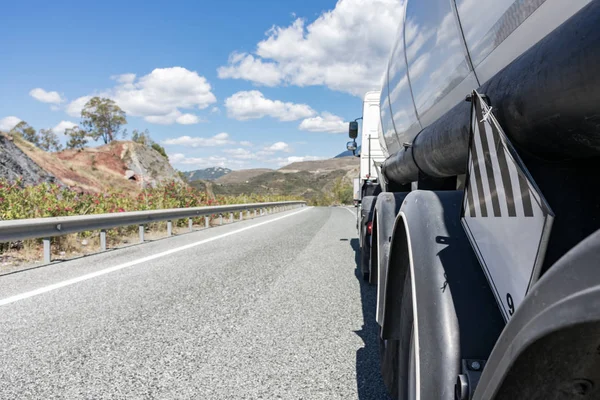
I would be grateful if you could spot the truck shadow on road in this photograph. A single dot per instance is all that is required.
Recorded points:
(368, 377)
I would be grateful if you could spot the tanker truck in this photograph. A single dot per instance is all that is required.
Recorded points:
(482, 236)
(366, 185)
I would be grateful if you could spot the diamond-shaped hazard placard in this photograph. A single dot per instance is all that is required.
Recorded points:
(504, 214)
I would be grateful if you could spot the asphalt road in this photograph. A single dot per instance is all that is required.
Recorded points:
(270, 308)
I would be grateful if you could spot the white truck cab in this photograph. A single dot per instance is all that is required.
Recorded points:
(371, 153)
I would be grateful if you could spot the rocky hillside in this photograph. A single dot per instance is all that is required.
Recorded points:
(208, 174)
(120, 165)
(14, 163)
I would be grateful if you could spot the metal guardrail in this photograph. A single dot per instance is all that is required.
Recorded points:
(46, 228)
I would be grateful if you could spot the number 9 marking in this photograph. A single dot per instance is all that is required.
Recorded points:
(511, 304)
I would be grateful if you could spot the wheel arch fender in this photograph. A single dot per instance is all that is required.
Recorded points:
(387, 208)
(450, 295)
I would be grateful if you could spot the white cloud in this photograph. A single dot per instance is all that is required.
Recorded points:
(345, 49)
(282, 161)
(124, 78)
(264, 155)
(202, 162)
(164, 91)
(279, 146)
(187, 119)
(246, 143)
(253, 104)
(326, 122)
(175, 116)
(74, 108)
(219, 139)
(7, 123)
(62, 126)
(198, 162)
(158, 97)
(303, 158)
(46, 97)
(242, 154)
(215, 110)
(247, 67)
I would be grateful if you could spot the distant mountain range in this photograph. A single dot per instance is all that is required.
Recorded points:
(347, 153)
(208, 174)
(310, 180)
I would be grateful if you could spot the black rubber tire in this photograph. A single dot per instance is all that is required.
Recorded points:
(388, 357)
(365, 257)
(394, 354)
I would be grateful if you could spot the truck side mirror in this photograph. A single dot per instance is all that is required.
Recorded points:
(353, 130)
(351, 146)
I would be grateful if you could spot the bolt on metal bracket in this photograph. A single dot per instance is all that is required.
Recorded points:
(467, 381)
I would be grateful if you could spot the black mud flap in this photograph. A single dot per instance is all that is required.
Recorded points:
(366, 215)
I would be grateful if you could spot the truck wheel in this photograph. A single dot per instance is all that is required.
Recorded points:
(397, 356)
(365, 255)
(388, 356)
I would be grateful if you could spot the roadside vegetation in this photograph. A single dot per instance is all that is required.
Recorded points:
(316, 189)
(51, 200)
(341, 194)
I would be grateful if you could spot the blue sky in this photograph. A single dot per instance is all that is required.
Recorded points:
(240, 84)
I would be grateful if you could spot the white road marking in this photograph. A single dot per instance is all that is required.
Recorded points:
(351, 212)
(105, 271)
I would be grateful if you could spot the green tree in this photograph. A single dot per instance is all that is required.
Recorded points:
(26, 132)
(77, 138)
(141, 137)
(145, 139)
(102, 118)
(49, 140)
(161, 150)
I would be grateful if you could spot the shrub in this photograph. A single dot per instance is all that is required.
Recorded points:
(51, 200)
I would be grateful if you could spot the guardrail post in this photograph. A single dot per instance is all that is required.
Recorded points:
(241, 215)
(141, 230)
(255, 213)
(220, 219)
(169, 228)
(206, 221)
(190, 224)
(230, 217)
(248, 214)
(46, 250)
(103, 240)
